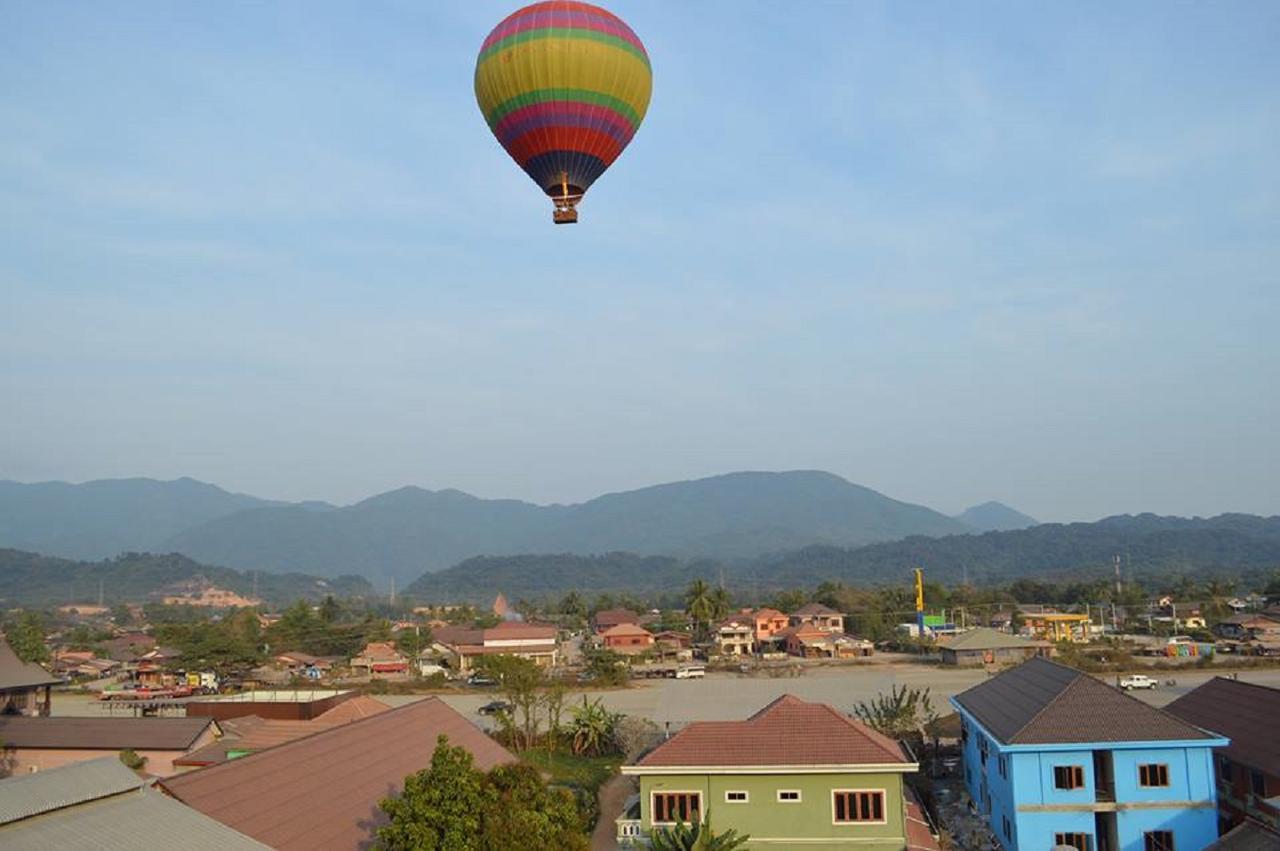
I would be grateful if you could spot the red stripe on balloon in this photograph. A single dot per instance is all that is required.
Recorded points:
(592, 142)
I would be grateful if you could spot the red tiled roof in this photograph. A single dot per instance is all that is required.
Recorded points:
(789, 731)
(810, 609)
(322, 791)
(610, 617)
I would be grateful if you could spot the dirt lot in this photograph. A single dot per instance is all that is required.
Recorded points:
(730, 697)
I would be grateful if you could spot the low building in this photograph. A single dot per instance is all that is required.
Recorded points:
(735, 636)
(279, 704)
(1055, 757)
(985, 646)
(462, 647)
(304, 665)
(794, 774)
(673, 644)
(379, 659)
(322, 791)
(129, 646)
(25, 687)
(250, 734)
(1248, 627)
(99, 805)
(818, 616)
(768, 623)
(38, 744)
(1248, 769)
(811, 642)
(609, 618)
(628, 638)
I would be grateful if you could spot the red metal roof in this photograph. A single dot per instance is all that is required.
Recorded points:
(788, 731)
(322, 791)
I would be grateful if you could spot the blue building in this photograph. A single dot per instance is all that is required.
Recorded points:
(1054, 757)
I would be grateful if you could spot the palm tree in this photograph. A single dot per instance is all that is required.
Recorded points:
(720, 604)
(698, 603)
(697, 837)
(593, 727)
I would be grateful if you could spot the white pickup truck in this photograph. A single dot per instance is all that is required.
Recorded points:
(1137, 681)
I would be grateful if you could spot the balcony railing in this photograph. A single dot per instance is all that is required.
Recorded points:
(630, 831)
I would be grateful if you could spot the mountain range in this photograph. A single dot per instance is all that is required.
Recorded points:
(396, 536)
(1156, 550)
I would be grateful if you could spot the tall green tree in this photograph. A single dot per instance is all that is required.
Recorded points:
(699, 605)
(441, 807)
(26, 636)
(454, 806)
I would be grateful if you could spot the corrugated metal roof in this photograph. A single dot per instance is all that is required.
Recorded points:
(158, 734)
(985, 638)
(15, 673)
(1246, 713)
(322, 791)
(1248, 836)
(28, 795)
(140, 820)
(1043, 702)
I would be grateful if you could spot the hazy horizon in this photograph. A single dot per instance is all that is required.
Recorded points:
(952, 253)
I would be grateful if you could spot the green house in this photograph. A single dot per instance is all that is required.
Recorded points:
(794, 775)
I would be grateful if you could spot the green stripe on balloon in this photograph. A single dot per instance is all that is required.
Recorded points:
(552, 95)
(564, 32)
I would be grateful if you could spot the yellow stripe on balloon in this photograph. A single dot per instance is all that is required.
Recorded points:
(563, 63)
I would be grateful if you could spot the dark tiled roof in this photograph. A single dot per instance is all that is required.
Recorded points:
(322, 791)
(1043, 702)
(788, 731)
(1247, 836)
(156, 734)
(15, 673)
(1246, 713)
(610, 617)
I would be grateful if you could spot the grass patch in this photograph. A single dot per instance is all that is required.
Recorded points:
(567, 769)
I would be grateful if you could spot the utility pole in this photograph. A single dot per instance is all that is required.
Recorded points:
(1117, 563)
(393, 590)
(99, 593)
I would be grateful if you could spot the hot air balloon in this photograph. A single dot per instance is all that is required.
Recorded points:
(563, 85)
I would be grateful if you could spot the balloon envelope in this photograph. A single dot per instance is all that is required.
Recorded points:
(563, 85)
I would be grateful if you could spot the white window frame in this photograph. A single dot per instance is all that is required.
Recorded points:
(799, 798)
(884, 808)
(745, 799)
(653, 807)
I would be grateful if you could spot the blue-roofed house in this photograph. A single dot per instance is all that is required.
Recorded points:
(1055, 757)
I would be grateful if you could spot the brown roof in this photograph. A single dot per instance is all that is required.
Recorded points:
(513, 630)
(625, 629)
(158, 734)
(15, 673)
(1246, 713)
(810, 609)
(1044, 702)
(1246, 836)
(789, 731)
(919, 832)
(610, 617)
(322, 791)
(455, 635)
(352, 709)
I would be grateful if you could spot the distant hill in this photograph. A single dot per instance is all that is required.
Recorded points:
(995, 517)
(1152, 548)
(402, 533)
(37, 580)
(104, 518)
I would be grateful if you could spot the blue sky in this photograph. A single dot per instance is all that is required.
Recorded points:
(954, 252)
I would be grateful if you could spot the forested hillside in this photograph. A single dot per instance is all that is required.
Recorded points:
(29, 579)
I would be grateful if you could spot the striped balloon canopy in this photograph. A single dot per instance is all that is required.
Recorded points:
(563, 85)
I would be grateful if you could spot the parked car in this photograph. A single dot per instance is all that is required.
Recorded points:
(493, 707)
(689, 672)
(481, 681)
(1137, 681)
